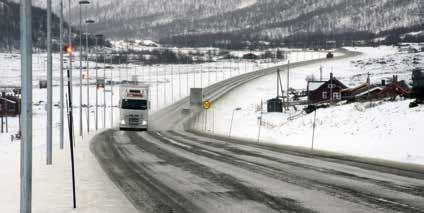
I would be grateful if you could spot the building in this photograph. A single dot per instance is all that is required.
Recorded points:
(9, 105)
(395, 88)
(325, 91)
(352, 92)
(418, 84)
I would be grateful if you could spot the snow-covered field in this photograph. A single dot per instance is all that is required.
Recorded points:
(96, 193)
(385, 130)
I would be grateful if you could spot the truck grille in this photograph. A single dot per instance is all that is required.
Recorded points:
(133, 121)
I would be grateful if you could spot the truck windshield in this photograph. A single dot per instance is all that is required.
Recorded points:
(134, 104)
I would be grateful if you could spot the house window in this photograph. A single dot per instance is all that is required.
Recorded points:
(331, 86)
(324, 95)
(337, 96)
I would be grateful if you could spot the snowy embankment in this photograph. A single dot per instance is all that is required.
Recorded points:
(384, 130)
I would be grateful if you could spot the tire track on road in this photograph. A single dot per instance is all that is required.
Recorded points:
(239, 190)
(259, 177)
(339, 190)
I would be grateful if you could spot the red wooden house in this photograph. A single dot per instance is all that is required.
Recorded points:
(325, 91)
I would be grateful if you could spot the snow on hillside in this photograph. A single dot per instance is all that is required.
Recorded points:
(246, 3)
(386, 130)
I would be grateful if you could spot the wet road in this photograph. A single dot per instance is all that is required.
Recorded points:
(174, 171)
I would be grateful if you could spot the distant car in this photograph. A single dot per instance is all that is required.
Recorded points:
(330, 55)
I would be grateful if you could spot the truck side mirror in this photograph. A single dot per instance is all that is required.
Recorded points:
(150, 105)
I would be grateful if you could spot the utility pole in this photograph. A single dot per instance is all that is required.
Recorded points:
(97, 89)
(164, 87)
(288, 80)
(119, 68)
(157, 88)
(62, 83)
(70, 44)
(179, 83)
(126, 65)
(111, 94)
(232, 119)
(313, 130)
(88, 82)
(104, 91)
(172, 84)
(194, 78)
(260, 123)
(49, 85)
(201, 76)
(80, 74)
(26, 118)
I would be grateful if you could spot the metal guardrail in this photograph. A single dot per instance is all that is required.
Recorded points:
(169, 118)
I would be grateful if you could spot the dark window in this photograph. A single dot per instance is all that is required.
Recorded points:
(134, 104)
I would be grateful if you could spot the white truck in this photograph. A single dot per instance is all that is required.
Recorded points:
(134, 105)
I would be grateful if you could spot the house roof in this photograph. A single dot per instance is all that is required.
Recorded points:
(353, 89)
(369, 91)
(394, 87)
(314, 85)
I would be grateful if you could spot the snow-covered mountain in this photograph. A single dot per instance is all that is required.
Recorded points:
(221, 20)
(9, 26)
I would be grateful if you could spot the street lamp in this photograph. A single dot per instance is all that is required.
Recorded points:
(98, 36)
(89, 21)
(232, 119)
(80, 76)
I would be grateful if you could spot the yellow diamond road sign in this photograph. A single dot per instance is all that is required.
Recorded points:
(207, 104)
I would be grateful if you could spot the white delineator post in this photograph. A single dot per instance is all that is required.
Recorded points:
(26, 117)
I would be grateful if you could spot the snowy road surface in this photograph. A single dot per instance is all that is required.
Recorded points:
(174, 171)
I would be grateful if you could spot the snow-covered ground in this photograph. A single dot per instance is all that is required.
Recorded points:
(52, 192)
(385, 130)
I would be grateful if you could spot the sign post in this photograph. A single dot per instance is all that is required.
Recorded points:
(206, 106)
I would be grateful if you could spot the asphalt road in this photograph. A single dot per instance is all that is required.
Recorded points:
(171, 169)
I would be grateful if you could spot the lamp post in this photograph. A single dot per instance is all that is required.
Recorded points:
(232, 119)
(62, 83)
(104, 91)
(26, 118)
(98, 36)
(70, 48)
(49, 85)
(87, 22)
(84, 2)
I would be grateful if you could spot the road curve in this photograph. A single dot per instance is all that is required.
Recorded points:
(173, 169)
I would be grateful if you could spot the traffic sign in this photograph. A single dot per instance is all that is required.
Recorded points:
(207, 105)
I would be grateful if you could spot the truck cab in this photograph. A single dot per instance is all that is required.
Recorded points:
(134, 106)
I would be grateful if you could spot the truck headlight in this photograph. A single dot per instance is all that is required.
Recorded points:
(144, 123)
(123, 122)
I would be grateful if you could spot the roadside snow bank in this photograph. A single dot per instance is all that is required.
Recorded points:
(388, 130)
(52, 186)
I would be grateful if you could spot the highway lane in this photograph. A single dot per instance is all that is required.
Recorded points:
(172, 169)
